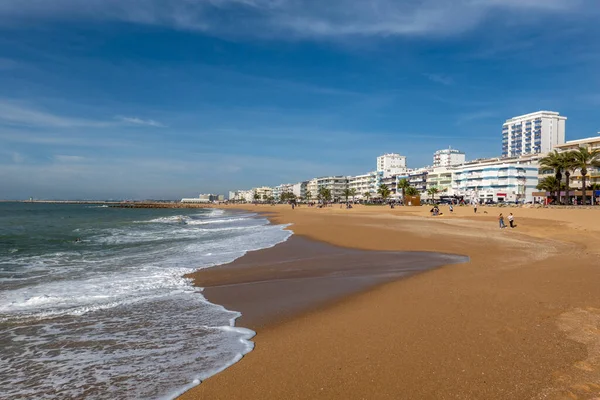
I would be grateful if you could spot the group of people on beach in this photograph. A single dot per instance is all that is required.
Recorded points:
(511, 221)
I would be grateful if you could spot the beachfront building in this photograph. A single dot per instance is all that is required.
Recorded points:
(365, 183)
(263, 192)
(593, 175)
(299, 189)
(418, 179)
(533, 133)
(335, 184)
(391, 164)
(440, 178)
(448, 157)
(497, 180)
(281, 189)
(203, 198)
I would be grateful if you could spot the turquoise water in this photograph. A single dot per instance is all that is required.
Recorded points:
(111, 316)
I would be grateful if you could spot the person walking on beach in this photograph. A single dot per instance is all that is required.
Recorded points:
(501, 221)
(475, 208)
(511, 220)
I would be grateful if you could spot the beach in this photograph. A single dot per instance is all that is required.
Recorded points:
(520, 319)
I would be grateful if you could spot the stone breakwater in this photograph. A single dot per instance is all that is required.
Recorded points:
(160, 205)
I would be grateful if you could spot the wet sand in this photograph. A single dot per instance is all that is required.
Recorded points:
(519, 320)
(278, 283)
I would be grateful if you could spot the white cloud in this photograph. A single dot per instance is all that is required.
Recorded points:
(12, 113)
(440, 78)
(139, 121)
(303, 18)
(68, 159)
(17, 158)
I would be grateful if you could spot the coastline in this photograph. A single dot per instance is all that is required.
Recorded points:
(503, 316)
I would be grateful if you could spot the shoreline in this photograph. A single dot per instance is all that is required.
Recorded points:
(303, 275)
(519, 259)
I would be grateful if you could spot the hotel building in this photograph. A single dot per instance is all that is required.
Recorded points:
(335, 184)
(448, 157)
(366, 183)
(391, 164)
(533, 133)
(593, 175)
(497, 179)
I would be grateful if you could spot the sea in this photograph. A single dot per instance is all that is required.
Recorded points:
(94, 303)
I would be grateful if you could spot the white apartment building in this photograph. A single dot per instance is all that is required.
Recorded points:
(533, 133)
(299, 189)
(336, 184)
(448, 157)
(281, 189)
(391, 164)
(264, 192)
(497, 179)
(440, 178)
(366, 183)
(593, 175)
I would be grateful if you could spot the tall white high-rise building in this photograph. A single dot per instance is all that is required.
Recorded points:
(532, 133)
(448, 157)
(391, 164)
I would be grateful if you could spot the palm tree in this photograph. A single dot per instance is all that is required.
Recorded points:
(347, 193)
(403, 184)
(585, 159)
(555, 162)
(367, 195)
(412, 191)
(549, 184)
(308, 196)
(324, 194)
(383, 191)
(432, 191)
(569, 165)
(256, 196)
(353, 193)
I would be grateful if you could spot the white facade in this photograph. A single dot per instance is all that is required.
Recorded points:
(299, 189)
(336, 185)
(593, 176)
(533, 133)
(440, 178)
(391, 164)
(366, 183)
(448, 157)
(281, 189)
(497, 179)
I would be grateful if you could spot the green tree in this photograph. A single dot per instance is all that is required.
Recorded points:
(324, 194)
(411, 191)
(265, 197)
(353, 193)
(403, 184)
(569, 165)
(383, 191)
(549, 184)
(346, 193)
(555, 162)
(367, 195)
(308, 195)
(585, 159)
(256, 196)
(432, 191)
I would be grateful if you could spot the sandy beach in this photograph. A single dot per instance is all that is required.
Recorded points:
(520, 319)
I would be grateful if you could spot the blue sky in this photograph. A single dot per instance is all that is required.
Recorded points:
(171, 98)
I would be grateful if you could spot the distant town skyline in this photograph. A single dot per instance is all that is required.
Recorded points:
(153, 99)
